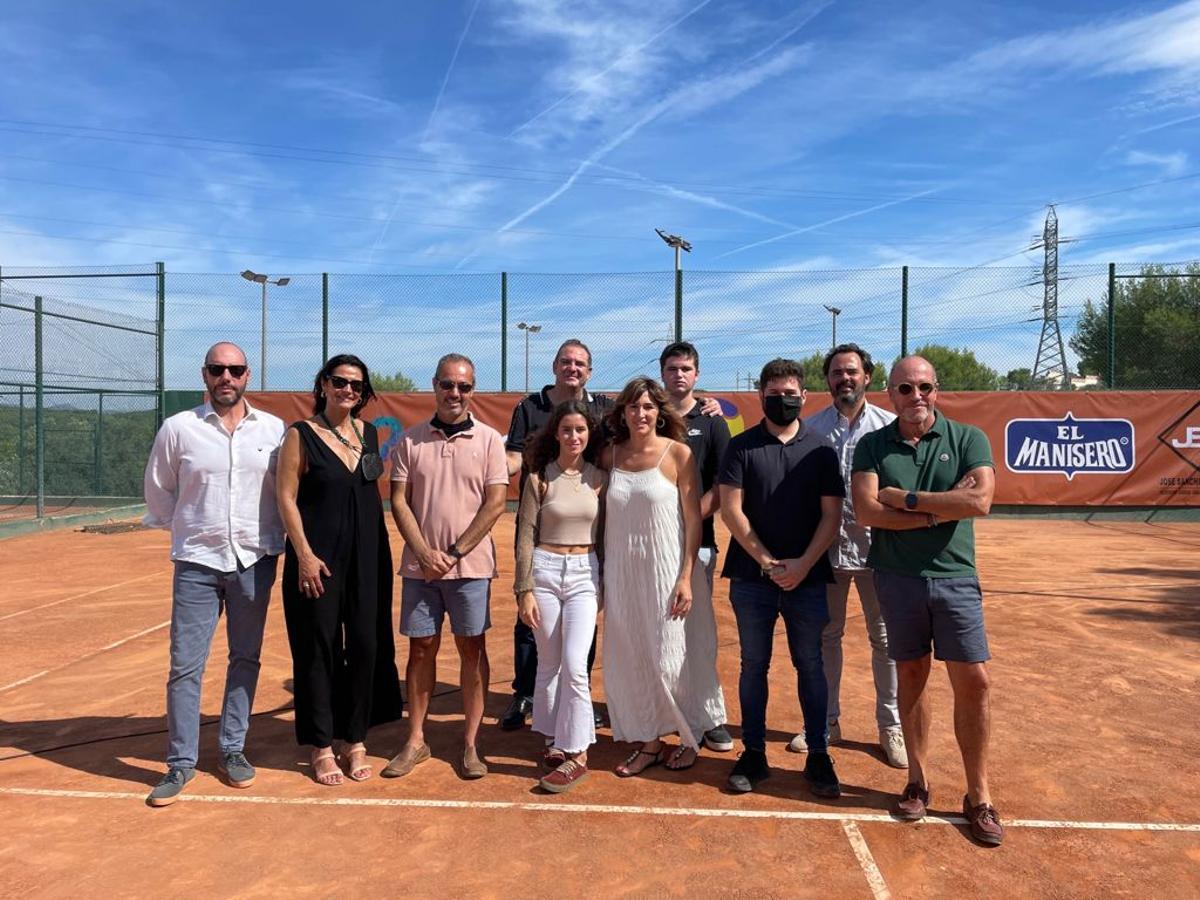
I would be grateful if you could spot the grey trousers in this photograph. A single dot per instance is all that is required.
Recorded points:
(887, 713)
(200, 594)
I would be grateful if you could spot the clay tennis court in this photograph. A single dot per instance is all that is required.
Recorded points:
(1095, 629)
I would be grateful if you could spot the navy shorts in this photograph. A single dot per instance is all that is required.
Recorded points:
(942, 614)
(425, 604)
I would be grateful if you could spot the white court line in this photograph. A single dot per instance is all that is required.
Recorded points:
(113, 646)
(551, 807)
(858, 844)
(84, 594)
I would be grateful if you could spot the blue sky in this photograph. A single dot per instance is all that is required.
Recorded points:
(554, 135)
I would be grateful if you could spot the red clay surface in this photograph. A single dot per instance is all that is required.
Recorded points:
(1095, 629)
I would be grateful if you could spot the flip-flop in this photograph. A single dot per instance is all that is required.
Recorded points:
(656, 757)
(676, 755)
(363, 770)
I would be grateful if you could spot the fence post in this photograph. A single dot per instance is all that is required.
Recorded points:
(39, 423)
(324, 317)
(21, 441)
(161, 315)
(504, 331)
(678, 303)
(1112, 326)
(98, 449)
(904, 311)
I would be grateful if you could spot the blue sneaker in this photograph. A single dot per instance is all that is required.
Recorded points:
(168, 790)
(237, 769)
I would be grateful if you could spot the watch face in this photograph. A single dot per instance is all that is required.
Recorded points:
(910, 500)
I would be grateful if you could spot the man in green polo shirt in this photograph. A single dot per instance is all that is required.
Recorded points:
(918, 483)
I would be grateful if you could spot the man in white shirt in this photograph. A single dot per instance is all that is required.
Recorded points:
(848, 369)
(210, 480)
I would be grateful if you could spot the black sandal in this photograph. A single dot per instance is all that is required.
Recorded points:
(656, 757)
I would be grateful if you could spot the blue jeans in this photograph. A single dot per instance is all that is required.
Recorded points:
(200, 596)
(805, 612)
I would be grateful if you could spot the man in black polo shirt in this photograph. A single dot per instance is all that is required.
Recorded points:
(572, 367)
(781, 497)
(707, 436)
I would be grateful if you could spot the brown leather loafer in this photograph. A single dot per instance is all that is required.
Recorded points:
(405, 761)
(984, 822)
(913, 802)
(472, 766)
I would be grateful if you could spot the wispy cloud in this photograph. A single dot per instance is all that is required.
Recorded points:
(1170, 163)
(684, 102)
(842, 218)
(449, 69)
(596, 76)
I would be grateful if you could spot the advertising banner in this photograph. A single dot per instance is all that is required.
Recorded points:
(1121, 448)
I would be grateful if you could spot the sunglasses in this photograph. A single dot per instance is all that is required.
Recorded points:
(340, 383)
(216, 370)
(464, 387)
(906, 388)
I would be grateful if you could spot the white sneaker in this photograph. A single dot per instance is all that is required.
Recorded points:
(799, 744)
(891, 741)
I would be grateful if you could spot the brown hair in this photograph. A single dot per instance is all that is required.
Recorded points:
(542, 449)
(669, 424)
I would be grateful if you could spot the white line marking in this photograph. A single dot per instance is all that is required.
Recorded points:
(25, 680)
(552, 807)
(113, 646)
(874, 877)
(98, 590)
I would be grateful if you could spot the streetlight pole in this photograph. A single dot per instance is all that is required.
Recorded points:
(262, 358)
(677, 243)
(835, 312)
(528, 329)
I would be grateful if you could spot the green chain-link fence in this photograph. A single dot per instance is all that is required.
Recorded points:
(79, 384)
(104, 366)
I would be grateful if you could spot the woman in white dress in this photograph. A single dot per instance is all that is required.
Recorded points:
(652, 536)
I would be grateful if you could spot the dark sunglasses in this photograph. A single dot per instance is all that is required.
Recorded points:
(464, 387)
(216, 370)
(906, 388)
(353, 383)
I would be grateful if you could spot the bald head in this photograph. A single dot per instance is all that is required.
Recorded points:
(914, 369)
(225, 352)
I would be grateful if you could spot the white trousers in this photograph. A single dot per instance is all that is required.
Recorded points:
(565, 587)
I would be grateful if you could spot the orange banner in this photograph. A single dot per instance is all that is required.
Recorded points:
(1120, 448)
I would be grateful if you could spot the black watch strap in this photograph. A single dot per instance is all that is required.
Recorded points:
(454, 551)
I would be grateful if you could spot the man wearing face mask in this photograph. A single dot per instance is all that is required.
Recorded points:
(781, 498)
(848, 369)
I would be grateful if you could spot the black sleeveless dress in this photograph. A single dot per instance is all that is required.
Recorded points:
(343, 653)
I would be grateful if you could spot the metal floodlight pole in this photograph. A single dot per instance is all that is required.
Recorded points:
(677, 243)
(835, 312)
(529, 329)
(264, 280)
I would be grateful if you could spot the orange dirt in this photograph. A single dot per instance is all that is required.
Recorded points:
(1095, 630)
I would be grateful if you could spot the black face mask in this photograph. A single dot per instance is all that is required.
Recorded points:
(781, 409)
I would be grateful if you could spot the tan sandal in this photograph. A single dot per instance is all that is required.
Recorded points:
(331, 776)
(357, 767)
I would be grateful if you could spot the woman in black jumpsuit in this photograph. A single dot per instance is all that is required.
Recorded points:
(337, 575)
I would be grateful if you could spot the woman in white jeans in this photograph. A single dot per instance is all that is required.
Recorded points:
(558, 586)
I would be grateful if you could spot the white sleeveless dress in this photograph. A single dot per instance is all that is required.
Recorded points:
(650, 689)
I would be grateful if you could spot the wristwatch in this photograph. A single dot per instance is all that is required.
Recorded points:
(910, 500)
(453, 550)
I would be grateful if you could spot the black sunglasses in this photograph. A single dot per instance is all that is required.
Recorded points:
(464, 387)
(339, 382)
(216, 370)
(925, 387)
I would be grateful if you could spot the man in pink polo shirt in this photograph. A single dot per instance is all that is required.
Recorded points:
(449, 482)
